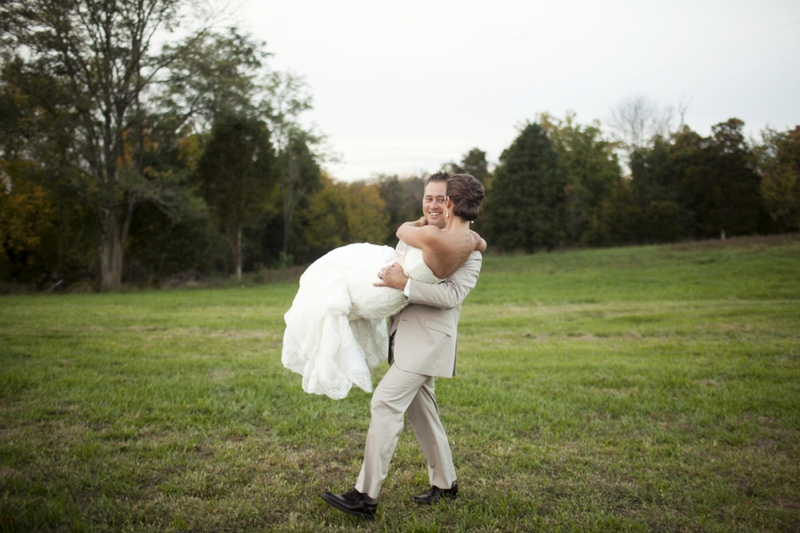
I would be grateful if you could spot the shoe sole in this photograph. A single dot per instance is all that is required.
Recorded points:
(335, 504)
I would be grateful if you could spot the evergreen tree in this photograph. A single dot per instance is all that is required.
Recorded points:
(474, 163)
(621, 220)
(526, 206)
(656, 177)
(591, 169)
(779, 165)
(720, 185)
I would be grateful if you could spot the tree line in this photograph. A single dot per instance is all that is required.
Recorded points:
(120, 162)
(561, 184)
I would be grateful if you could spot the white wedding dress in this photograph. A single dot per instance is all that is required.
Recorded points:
(336, 329)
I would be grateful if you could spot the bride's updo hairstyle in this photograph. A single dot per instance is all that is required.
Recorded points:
(467, 193)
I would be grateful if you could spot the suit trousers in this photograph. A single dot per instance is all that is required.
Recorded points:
(402, 392)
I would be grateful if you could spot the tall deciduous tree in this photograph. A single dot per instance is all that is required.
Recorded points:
(526, 207)
(215, 84)
(342, 213)
(236, 176)
(298, 162)
(28, 216)
(84, 67)
(215, 75)
(637, 120)
(402, 198)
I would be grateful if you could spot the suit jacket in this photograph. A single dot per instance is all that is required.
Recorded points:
(425, 331)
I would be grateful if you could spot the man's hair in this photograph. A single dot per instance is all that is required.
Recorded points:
(438, 176)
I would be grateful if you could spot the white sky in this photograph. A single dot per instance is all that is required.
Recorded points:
(403, 87)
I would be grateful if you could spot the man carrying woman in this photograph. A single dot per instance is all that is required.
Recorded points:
(422, 342)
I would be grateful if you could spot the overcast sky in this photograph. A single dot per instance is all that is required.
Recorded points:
(403, 87)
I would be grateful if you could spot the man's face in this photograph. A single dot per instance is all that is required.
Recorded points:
(433, 203)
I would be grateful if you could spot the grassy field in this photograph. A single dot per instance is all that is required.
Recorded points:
(630, 389)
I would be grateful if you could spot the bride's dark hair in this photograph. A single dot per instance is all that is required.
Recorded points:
(467, 193)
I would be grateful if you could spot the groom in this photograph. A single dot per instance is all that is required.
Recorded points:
(422, 346)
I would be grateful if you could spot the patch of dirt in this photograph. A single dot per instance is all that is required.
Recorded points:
(146, 328)
(788, 503)
(221, 374)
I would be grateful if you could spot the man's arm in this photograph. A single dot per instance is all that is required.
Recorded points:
(444, 295)
(452, 291)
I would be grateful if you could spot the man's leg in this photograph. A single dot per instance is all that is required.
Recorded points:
(389, 402)
(423, 415)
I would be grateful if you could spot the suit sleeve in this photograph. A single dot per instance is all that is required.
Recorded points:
(452, 291)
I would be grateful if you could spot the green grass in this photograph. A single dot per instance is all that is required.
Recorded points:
(630, 389)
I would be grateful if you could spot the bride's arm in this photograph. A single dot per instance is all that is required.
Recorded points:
(481, 243)
(421, 221)
(423, 236)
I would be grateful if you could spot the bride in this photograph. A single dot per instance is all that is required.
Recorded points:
(336, 328)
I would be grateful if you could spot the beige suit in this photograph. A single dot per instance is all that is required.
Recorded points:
(424, 346)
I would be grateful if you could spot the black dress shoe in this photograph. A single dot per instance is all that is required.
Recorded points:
(436, 494)
(353, 502)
